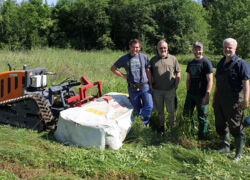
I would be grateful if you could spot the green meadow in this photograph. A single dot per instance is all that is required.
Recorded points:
(27, 154)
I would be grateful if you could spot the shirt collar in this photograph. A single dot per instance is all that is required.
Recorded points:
(234, 58)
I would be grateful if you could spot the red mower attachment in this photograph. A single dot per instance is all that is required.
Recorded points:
(82, 98)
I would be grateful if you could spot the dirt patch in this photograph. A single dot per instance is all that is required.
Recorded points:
(21, 170)
(115, 175)
(112, 175)
(187, 143)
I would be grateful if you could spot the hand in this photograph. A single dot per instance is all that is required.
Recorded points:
(124, 76)
(176, 86)
(244, 105)
(205, 100)
(151, 88)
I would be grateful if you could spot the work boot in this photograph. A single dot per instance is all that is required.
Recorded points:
(239, 141)
(225, 144)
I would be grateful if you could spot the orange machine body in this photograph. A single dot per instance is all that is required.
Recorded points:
(11, 84)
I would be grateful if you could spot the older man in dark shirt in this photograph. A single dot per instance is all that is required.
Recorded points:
(232, 76)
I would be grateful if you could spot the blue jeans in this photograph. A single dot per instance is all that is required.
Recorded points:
(142, 102)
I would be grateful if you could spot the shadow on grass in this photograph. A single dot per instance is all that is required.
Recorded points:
(182, 134)
(49, 137)
(190, 157)
(145, 136)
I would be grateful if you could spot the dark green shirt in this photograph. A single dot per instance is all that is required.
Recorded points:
(198, 70)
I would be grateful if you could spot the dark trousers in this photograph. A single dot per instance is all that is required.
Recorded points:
(228, 115)
(190, 103)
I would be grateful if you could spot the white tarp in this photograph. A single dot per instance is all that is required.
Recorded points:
(100, 123)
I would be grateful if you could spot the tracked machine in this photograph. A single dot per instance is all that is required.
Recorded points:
(25, 100)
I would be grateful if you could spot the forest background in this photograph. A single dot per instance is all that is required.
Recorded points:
(102, 24)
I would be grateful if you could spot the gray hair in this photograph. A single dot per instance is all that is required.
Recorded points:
(161, 41)
(230, 40)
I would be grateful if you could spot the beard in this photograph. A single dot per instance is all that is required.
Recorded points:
(163, 54)
(198, 55)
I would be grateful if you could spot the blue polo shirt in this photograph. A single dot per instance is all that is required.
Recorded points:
(239, 72)
(135, 66)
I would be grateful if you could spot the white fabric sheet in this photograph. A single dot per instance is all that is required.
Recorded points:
(99, 123)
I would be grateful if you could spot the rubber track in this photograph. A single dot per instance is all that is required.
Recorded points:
(44, 110)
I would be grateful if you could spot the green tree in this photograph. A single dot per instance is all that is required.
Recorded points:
(9, 34)
(97, 24)
(25, 25)
(230, 18)
(207, 3)
(83, 23)
(133, 19)
(62, 15)
(182, 22)
(34, 18)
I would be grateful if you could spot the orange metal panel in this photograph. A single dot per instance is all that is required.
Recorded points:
(8, 89)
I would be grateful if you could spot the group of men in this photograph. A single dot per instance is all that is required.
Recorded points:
(153, 84)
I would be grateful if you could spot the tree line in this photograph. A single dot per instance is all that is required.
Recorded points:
(99, 24)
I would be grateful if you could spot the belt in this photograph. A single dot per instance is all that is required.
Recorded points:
(133, 84)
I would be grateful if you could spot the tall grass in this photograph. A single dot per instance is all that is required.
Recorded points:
(144, 155)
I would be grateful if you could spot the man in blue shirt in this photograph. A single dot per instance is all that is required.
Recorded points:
(232, 76)
(138, 77)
